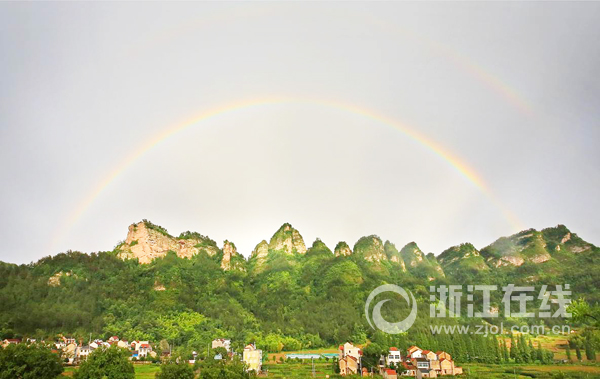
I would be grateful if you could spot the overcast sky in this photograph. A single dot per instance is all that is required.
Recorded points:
(509, 91)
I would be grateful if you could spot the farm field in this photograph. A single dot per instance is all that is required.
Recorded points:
(531, 371)
(300, 370)
(141, 371)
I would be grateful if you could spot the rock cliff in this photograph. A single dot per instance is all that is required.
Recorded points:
(288, 240)
(146, 241)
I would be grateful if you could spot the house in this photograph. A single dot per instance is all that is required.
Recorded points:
(349, 349)
(447, 367)
(430, 355)
(435, 365)
(349, 365)
(70, 352)
(349, 359)
(426, 373)
(252, 357)
(113, 339)
(144, 349)
(421, 363)
(414, 352)
(10, 341)
(442, 354)
(408, 369)
(221, 342)
(393, 358)
(390, 374)
(83, 352)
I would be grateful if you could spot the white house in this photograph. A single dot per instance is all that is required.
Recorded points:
(221, 342)
(393, 358)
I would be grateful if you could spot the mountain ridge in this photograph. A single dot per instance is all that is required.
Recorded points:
(146, 241)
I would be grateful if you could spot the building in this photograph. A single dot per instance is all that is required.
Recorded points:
(426, 373)
(252, 357)
(390, 374)
(83, 352)
(349, 365)
(421, 363)
(408, 369)
(393, 358)
(141, 349)
(414, 352)
(221, 342)
(10, 341)
(349, 357)
(430, 355)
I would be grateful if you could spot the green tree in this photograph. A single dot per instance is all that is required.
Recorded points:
(513, 347)
(568, 352)
(21, 361)
(173, 370)
(590, 354)
(578, 353)
(103, 363)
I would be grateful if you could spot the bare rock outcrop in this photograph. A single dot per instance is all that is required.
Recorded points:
(146, 241)
(288, 240)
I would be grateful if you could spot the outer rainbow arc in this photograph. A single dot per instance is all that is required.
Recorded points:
(434, 147)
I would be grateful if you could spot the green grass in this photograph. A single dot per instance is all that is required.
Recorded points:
(531, 371)
(145, 371)
(289, 370)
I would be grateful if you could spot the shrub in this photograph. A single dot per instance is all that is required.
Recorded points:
(21, 361)
(104, 362)
(173, 370)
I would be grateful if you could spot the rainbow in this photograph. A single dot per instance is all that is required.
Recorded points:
(462, 168)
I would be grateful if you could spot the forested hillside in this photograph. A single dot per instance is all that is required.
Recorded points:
(286, 296)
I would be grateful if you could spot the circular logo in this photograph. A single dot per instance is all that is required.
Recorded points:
(380, 323)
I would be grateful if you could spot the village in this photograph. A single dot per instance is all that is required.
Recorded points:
(415, 362)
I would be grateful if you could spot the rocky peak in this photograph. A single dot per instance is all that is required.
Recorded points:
(464, 257)
(261, 250)
(412, 254)
(147, 241)
(370, 248)
(288, 240)
(393, 255)
(526, 246)
(560, 238)
(319, 248)
(231, 257)
(455, 253)
(342, 249)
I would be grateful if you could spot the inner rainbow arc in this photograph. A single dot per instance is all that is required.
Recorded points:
(412, 133)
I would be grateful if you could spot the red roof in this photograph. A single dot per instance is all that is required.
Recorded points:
(341, 347)
(407, 366)
(393, 349)
(426, 351)
(145, 346)
(390, 371)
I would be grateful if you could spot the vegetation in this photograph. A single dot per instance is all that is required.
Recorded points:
(290, 302)
(20, 361)
(174, 370)
(103, 362)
